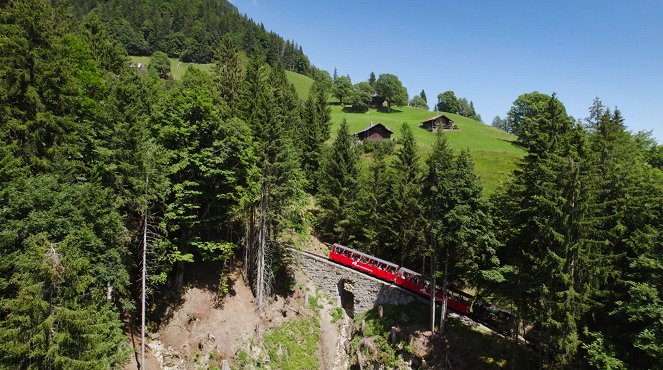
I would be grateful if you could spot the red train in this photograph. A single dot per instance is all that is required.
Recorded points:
(401, 276)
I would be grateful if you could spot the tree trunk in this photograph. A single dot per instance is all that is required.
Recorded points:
(443, 314)
(262, 250)
(432, 293)
(143, 284)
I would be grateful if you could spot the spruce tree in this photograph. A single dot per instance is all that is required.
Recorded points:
(375, 187)
(404, 218)
(337, 188)
(545, 212)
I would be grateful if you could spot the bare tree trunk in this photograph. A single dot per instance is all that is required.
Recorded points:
(432, 293)
(445, 294)
(143, 283)
(262, 250)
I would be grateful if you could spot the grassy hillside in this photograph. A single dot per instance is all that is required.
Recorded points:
(302, 83)
(177, 68)
(493, 150)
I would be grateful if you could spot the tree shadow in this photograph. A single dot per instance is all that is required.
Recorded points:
(515, 143)
(349, 109)
(388, 110)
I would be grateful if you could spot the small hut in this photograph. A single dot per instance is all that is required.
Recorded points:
(439, 122)
(374, 132)
(377, 100)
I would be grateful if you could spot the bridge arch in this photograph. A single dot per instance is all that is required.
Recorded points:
(355, 291)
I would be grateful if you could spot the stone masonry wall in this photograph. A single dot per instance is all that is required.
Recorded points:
(368, 292)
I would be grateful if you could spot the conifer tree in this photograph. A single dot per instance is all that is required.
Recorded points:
(228, 78)
(545, 209)
(279, 183)
(371, 212)
(339, 182)
(404, 219)
(625, 222)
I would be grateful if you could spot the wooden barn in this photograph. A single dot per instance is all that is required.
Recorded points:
(377, 100)
(439, 122)
(374, 132)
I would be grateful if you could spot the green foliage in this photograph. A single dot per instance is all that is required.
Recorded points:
(402, 214)
(521, 118)
(499, 123)
(294, 345)
(371, 231)
(159, 62)
(493, 150)
(336, 314)
(418, 102)
(342, 88)
(179, 30)
(361, 96)
(63, 255)
(336, 190)
(448, 102)
(389, 86)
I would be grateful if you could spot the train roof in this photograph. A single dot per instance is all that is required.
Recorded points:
(366, 255)
(410, 271)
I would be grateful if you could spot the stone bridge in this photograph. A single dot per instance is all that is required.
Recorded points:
(355, 291)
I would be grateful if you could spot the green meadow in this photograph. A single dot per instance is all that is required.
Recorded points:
(494, 151)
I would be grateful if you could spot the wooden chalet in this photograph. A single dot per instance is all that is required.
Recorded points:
(377, 100)
(439, 122)
(374, 132)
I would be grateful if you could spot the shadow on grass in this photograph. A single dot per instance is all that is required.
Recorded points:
(388, 110)
(349, 109)
(515, 143)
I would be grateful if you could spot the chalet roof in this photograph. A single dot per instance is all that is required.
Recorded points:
(436, 117)
(372, 126)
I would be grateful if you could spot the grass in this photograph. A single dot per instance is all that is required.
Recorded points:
(177, 68)
(297, 342)
(494, 152)
(302, 83)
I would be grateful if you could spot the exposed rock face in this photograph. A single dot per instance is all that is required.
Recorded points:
(355, 291)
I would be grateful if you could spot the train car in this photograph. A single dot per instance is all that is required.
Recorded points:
(401, 276)
(412, 281)
(458, 300)
(363, 262)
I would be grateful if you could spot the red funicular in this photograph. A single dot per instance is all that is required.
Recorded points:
(363, 262)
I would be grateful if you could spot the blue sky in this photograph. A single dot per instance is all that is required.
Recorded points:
(489, 51)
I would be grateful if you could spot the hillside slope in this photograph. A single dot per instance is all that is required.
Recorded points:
(494, 151)
(178, 68)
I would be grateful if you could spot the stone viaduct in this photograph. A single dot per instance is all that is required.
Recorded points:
(355, 291)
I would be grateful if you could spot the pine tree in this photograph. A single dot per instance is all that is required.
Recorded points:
(279, 184)
(371, 212)
(339, 182)
(626, 221)
(423, 96)
(403, 220)
(228, 75)
(545, 208)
